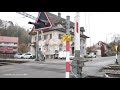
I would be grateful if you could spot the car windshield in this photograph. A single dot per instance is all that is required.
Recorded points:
(19, 54)
(26, 54)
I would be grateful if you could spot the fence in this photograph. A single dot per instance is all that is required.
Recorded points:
(6, 56)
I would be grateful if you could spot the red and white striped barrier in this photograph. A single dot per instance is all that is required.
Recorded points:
(67, 59)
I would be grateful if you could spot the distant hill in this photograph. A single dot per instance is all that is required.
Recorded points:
(7, 28)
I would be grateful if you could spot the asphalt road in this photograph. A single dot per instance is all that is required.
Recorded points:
(48, 69)
(52, 68)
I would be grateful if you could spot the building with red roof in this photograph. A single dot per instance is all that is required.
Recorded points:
(8, 45)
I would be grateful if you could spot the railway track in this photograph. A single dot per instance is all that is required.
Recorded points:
(112, 71)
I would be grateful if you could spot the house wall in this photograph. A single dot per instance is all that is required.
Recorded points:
(98, 53)
(82, 47)
(53, 44)
(8, 44)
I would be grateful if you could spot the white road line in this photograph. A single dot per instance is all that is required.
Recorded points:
(5, 67)
(9, 69)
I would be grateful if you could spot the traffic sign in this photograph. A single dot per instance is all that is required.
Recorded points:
(43, 22)
(66, 37)
(116, 47)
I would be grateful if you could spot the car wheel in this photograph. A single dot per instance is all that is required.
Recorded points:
(30, 57)
(22, 57)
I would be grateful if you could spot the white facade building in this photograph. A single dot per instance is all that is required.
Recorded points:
(52, 43)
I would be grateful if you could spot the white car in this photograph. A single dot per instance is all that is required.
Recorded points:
(27, 56)
(91, 56)
(18, 55)
(62, 54)
(71, 57)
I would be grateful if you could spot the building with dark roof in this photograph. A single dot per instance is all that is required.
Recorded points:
(51, 42)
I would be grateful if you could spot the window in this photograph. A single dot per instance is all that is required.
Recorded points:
(35, 38)
(15, 43)
(39, 38)
(60, 36)
(1, 48)
(45, 37)
(9, 48)
(39, 49)
(56, 51)
(60, 47)
(50, 36)
(14, 47)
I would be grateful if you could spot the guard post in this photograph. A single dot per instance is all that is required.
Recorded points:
(77, 62)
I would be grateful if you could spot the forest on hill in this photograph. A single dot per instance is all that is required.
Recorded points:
(16, 31)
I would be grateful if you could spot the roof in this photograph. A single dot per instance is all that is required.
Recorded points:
(56, 20)
(103, 42)
(8, 39)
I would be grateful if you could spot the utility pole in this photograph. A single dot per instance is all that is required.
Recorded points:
(68, 48)
(42, 40)
(37, 46)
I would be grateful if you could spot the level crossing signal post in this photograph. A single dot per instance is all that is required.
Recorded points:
(78, 62)
(42, 23)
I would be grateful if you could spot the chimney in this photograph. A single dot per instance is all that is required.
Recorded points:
(59, 14)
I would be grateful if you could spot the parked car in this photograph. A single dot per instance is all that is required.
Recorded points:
(62, 54)
(27, 56)
(71, 57)
(18, 55)
(91, 56)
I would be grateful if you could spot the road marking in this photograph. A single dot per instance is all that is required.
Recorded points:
(10, 69)
(6, 67)
(15, 74)
(36, 64)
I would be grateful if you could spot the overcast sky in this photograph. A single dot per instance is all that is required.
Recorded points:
(98, 25)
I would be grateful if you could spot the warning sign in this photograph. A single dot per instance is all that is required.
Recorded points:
(66, 37)
(116, 47)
